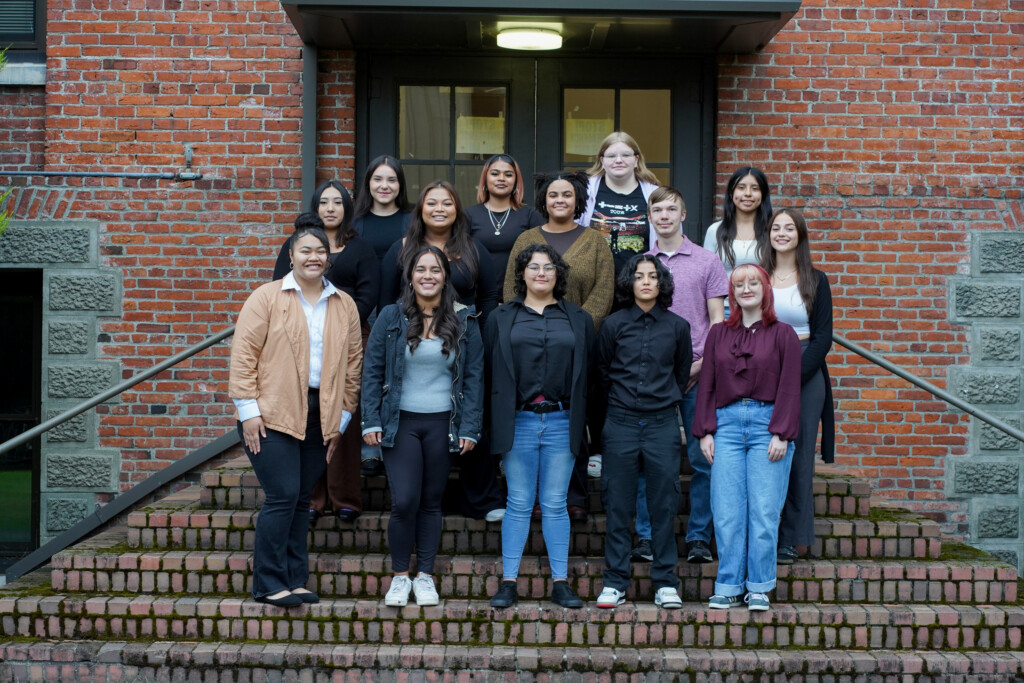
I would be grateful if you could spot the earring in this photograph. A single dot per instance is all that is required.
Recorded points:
(290, 265)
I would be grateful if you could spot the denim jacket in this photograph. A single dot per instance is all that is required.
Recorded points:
(383, 366)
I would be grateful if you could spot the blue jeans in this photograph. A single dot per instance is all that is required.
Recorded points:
(540, 450)
(699, 526)
(747, 493)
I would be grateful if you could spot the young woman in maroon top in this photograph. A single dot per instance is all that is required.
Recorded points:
(748, 413)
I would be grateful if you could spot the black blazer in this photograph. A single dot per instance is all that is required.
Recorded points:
(502, 391)
(813, 359)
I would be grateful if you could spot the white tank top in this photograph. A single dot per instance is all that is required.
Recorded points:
(790, 309)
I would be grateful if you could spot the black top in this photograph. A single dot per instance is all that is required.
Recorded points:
(622, 219)
(382, 231)
(562, 241)
(643, 359)
(480, 292)
(813, 359)
(500, 240)
(353, 270)
(542, 353)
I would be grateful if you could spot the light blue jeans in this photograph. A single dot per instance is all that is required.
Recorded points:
(747, 493)
(540, 451)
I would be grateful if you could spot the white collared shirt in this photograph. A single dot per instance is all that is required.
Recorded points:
(316, 314)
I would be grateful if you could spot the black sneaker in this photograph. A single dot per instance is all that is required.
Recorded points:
(787, 554)
(563, 595)
(642, 552)
(698, 552)
(507, 596)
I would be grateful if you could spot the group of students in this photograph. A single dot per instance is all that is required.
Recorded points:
(616, 341)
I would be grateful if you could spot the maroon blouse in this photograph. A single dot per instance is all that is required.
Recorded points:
(750, 362)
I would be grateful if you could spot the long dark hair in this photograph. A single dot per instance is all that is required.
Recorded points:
(459, 245)
(483, 194)
(364, 200)
(346, 231)
(808, 282)
(762, 220)
(561, 269)
(578, 180)
(624, 296)
(445, 320)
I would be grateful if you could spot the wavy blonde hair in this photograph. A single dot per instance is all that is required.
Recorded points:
(641, 171)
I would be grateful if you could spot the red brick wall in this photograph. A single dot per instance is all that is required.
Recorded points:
(22, 112)
(895, 126)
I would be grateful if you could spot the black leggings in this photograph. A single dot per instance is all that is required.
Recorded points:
(417, 467)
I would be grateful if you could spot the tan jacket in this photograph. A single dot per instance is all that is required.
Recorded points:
(270, 359)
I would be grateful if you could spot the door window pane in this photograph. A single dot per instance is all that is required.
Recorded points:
(424, 121)
(479, 122)
(418, 176)
(589, 118)
(647, 116)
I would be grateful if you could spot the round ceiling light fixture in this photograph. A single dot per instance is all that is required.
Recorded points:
(529, 39)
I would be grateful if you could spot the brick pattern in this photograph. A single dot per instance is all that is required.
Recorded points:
(22, 118)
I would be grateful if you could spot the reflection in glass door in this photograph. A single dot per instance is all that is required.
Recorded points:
(446, 131)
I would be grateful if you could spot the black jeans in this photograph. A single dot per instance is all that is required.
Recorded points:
(417, 466)
(287, 469)
(631, 438)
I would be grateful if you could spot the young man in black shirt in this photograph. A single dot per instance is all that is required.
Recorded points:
(643, 364)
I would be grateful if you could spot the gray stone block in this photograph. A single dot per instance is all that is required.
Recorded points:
(29, 244)
(985, 478)
(999, 522)
(80, 471)
(64, 513)
(989, 387)
(993, 439)
(68, 336)
(1007, 556)
(1000, 344)
(79, 381)
(987, 301)
(74, 430)
(82, 292)
(1000, 254)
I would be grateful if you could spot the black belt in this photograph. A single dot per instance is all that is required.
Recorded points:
(545, 406)
(313, 398)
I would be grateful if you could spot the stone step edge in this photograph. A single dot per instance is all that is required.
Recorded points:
(439, 658)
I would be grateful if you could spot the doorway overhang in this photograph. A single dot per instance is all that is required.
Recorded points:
(606, 26)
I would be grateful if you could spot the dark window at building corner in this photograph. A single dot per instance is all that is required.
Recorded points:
(23, 30)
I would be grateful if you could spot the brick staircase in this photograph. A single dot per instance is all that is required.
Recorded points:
(882, 597)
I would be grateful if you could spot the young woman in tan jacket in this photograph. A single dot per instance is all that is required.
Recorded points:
(296, 360)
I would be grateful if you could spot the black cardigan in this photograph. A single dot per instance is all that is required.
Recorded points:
(501, 395)
(813, 359)
(353, 270)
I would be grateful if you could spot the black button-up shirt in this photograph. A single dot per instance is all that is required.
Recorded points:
(643, 359)
(542, 348)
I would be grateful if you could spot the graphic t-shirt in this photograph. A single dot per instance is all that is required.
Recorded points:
(622, 219)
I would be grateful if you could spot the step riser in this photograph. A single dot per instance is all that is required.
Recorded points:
(462, 578)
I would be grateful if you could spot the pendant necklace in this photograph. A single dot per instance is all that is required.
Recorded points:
(498, 224)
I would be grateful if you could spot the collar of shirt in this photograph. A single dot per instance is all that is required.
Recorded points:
(656, 312)
(289, 283)
(686, 248)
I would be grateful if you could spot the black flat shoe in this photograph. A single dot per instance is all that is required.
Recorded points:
(346, 515)
(371, 468)
(308, 597)
(787, 554)
(313, 516)
(564, 596)
(290, 600)
(507, 596)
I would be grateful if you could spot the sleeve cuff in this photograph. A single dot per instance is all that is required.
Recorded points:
(370, 430)
(247, 408)
(468, 438)
(346, 417)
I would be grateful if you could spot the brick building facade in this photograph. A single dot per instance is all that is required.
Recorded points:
(897, 127)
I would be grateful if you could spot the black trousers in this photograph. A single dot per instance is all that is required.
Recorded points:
(287, 469)
(417, 467)
(631, 440)
(796, 525)
(478, 477)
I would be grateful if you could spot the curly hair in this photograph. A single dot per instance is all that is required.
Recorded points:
(445, 321)
(561, 269)
(578, 180)
(624, 296)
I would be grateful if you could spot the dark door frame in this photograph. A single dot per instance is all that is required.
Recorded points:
(537, 80)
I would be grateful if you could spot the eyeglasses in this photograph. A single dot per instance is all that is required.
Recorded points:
(625, 157)
(536, 268)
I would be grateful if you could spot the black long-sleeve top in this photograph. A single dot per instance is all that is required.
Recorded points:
(643, 359)
(481, 292)
(542, 345)
(818, 346)
(353, 270)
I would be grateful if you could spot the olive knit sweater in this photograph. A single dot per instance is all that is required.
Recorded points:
(591, 281)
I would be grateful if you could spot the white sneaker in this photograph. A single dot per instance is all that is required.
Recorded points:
(495, 515)
(610, 597)
(423, 588)
(594, 466)
(398, 594)
(667, 598)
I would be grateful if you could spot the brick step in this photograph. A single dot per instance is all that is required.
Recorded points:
(474, 622)
(898, 534)
(235, 486)
(89, 568)
(242, 663)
